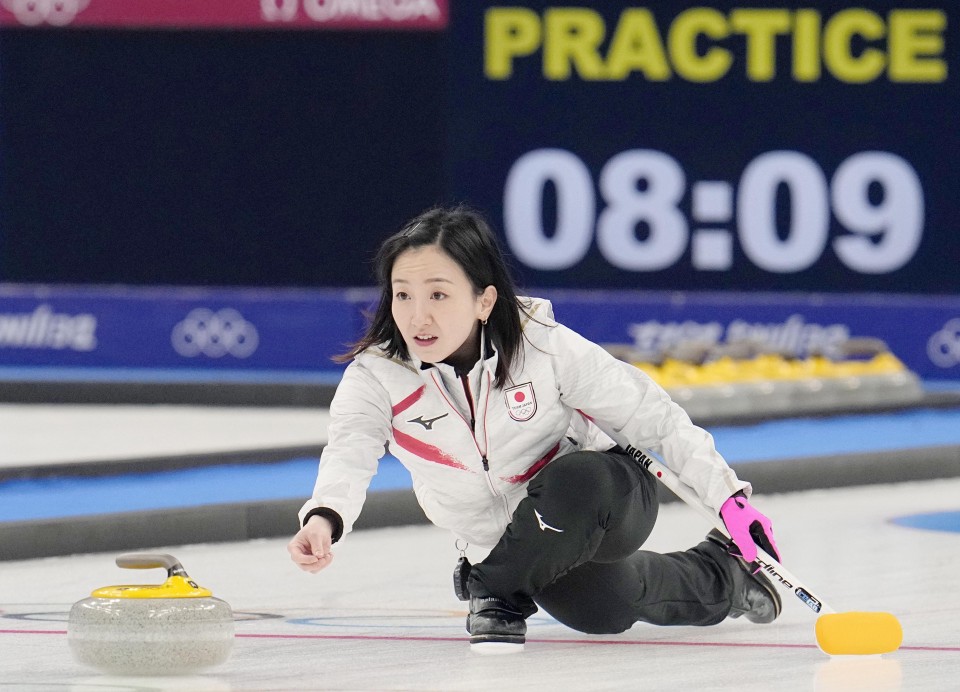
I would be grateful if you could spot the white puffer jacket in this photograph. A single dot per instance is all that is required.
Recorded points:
(469, 476)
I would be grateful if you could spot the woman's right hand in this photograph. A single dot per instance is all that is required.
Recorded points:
(310, 548)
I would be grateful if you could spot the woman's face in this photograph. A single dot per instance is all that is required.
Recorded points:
(435, 306)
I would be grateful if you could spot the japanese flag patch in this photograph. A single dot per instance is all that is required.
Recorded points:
(521, 401)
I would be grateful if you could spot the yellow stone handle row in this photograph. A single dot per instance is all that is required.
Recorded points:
(726, 370)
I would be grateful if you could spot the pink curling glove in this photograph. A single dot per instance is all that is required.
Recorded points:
(748, 528)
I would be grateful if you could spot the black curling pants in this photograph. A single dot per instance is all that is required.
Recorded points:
(572, 547)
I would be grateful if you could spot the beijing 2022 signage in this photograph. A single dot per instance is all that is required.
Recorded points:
(800, 146)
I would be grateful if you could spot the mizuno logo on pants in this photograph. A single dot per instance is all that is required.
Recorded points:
(544, 525)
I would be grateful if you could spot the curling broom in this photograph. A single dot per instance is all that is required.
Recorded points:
(852, 632)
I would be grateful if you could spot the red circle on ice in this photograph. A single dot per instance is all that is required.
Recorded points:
(518, 397)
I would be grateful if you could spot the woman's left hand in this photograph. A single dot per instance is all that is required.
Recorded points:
(748, 528)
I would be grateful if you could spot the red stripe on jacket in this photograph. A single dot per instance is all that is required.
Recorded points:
(409, 401)
(537, 465)
(426, 451)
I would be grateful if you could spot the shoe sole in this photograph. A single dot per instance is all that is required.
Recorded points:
(496, 648)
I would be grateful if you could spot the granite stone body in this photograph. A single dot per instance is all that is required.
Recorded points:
(150, 636)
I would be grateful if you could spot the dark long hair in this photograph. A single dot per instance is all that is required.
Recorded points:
(464, 235)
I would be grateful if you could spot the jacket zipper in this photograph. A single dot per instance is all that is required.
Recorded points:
(473, 430)
(472, 423)
(465, 383)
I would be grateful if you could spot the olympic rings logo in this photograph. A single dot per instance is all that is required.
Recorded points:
(214, 334)
(943, 347)
(55, 12)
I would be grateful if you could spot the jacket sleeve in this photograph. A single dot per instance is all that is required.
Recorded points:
(634, 410)
(360, 420)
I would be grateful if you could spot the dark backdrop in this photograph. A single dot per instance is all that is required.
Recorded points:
(213, 158)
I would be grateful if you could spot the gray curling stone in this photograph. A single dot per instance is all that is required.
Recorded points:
(172, 628)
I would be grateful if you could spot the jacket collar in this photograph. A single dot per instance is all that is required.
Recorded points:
(489, 358)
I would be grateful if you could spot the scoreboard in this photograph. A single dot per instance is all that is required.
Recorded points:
(720, 146)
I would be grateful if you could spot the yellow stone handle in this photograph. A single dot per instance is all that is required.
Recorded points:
(152, 561)
(178, 583)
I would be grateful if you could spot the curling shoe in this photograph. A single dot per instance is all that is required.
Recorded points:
(753, 594)
(495, 626)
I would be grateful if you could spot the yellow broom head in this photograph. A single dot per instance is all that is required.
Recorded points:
(858, 633)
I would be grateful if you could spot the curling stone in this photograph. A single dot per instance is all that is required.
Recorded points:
(172, 628)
